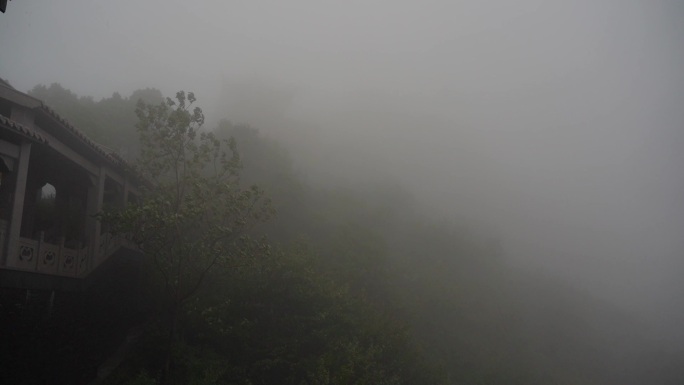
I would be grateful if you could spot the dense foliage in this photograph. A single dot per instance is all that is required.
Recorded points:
(354, 287)
(269, 317)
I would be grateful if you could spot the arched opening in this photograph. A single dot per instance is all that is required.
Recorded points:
(46, 216)
(48, 192)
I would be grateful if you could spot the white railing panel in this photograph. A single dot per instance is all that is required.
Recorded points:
(27, 255)
(68, 262)
(84, 262)
(48, 258)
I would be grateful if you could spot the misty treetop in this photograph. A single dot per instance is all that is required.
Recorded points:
(109, 121)
(192, 209)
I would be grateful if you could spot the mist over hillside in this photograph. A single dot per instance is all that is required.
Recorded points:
(551, 131)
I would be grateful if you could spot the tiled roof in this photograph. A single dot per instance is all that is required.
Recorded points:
(107, 153)
(25, 131)
(5, 83)
(40, 107)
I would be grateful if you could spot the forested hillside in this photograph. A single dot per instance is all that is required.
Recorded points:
(357, 286)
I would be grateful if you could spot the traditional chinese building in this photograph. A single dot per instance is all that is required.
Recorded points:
(53, 181)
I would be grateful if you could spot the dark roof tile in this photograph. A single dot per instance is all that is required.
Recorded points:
(21, 129)
(107, 153)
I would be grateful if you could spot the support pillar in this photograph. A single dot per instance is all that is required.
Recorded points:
(18, 205)
(95, 198)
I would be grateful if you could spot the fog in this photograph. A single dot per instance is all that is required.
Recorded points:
(557, 126)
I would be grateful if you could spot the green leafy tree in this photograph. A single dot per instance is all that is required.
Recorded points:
(193, 215)
(285, 321)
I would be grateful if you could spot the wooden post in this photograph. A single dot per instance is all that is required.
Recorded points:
(95, 197)
(18, 205)
(60, 256)
(39, 250)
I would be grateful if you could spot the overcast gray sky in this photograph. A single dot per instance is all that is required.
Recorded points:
(559, 123)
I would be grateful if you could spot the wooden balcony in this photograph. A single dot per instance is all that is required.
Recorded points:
(57, 259)
(53, 183)
(48, 258)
